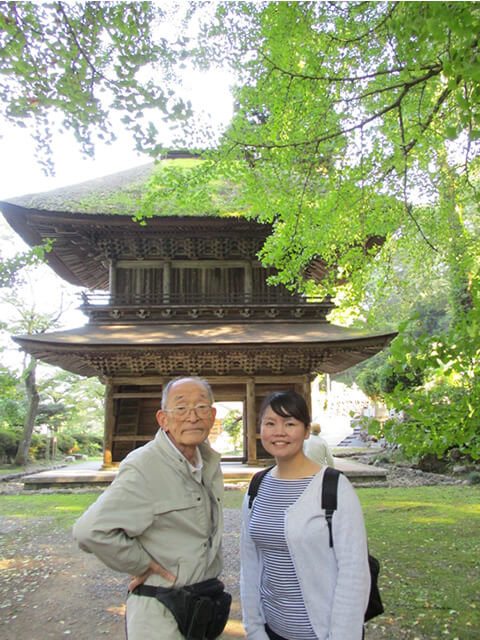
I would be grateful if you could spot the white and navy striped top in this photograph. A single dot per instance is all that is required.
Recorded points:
(280, 593)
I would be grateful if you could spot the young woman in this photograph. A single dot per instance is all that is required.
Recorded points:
(294, 586)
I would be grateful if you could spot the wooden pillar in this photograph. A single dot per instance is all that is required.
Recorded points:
(251, 416)
(304, 388)
(112, 279)
(109, 423)
(248, 281)
(166, 282)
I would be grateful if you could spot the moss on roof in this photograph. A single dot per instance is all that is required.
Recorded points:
(169, 187)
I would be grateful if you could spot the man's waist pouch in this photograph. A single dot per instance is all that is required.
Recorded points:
(201, 610)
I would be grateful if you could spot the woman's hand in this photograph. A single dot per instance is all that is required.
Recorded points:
(153, 568)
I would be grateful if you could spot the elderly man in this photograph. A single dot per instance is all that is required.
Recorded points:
(161, 519)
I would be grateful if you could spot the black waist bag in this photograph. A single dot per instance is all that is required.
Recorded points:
(201, 610)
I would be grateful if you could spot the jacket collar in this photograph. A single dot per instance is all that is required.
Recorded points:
(210, 457)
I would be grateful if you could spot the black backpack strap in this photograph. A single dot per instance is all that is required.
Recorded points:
(254, 485)
(329, 503)
(329, 497)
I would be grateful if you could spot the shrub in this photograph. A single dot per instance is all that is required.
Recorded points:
(8, 444)
(65, 443)
(38, 446)
(88, 443)
(432, 464)
(474, 477)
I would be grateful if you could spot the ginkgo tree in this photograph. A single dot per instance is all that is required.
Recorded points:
(356, 136)
(354, 120)
(89, 68)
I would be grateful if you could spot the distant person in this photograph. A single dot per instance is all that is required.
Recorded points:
(317, 449)
(294, 585)
(161, 522)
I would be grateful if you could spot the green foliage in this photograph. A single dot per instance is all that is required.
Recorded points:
(65, 443)
(38, 447)
(11, 268)
(8, 444)
(356, 136)
(88, 443)
(58, 400)
(12, 400)
(69, 402)
(420, 307)
(233, 425)
(71, 66)
(434, 380)
(343, 120)
(10, 439)
(473, 477)
(188, 187)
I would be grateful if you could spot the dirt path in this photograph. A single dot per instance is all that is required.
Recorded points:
(49, 589)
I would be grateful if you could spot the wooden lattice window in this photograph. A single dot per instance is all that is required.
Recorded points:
(138, 284)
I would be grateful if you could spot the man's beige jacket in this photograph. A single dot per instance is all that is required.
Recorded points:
(155, 509)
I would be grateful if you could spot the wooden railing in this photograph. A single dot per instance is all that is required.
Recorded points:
(232, 307)
(197, 299)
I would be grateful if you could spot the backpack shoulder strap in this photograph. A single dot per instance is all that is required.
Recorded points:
(254, 485)
(329, 497)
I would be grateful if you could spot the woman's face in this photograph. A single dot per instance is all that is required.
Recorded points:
(282, 437)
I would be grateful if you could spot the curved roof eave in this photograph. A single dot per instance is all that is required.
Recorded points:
(95, 350)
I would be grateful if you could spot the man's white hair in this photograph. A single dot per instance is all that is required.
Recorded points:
(201, 381)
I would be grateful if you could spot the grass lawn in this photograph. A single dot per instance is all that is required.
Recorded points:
(62, 509)
(426, 538)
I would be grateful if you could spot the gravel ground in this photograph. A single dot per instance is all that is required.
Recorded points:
(49, 589)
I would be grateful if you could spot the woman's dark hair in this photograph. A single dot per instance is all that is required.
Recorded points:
(287, 403)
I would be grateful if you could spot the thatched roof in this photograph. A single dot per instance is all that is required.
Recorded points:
(123, 193)
(82, 219)
(118, 194)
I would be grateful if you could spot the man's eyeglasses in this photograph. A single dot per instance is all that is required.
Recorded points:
(202, 411)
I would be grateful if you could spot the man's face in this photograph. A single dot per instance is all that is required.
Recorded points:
(193, 428)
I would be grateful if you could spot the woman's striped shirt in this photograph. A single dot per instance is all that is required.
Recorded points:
(280, 593)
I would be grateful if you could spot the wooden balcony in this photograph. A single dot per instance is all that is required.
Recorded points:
(231, 307)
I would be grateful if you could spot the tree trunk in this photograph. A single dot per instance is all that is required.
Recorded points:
(21, 459)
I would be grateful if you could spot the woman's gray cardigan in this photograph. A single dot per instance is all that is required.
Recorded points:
(335, 583)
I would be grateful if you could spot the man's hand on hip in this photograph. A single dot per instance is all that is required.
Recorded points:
(153, 568)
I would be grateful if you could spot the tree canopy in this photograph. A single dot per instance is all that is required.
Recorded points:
(75, 66)
(355, 120)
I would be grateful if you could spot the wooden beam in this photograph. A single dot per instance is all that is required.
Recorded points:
(138, 380)
(224, 380)
(139, 394)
